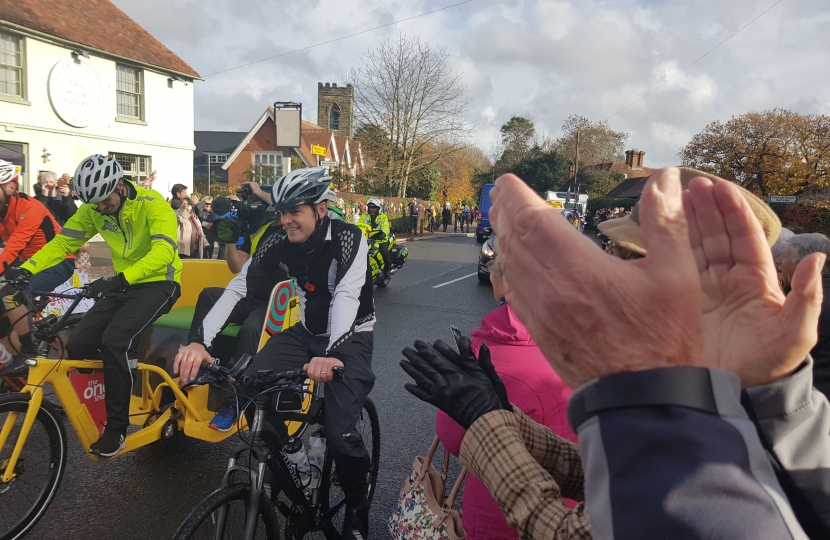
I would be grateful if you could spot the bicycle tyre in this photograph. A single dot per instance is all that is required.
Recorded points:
(48, 424)
(198, 524)
(330, 493)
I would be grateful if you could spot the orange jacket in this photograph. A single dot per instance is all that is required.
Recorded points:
(26, 227)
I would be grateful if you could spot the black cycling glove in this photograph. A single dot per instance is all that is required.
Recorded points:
(15, 273)
(107, 285)
(482, 369)
(439, 381)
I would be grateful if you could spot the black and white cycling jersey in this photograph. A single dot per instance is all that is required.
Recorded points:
(334, 283)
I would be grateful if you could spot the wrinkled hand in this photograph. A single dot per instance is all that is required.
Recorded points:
(633, 315)
(106, 285)
(438, 381)
(319, 369)
(749, 326)
(189, 360)
(64, 190)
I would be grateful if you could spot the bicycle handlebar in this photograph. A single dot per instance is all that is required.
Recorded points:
(264, 379)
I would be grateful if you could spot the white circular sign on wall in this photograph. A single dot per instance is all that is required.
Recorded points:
(75, 93)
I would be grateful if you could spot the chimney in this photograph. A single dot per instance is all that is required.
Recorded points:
(634, 158)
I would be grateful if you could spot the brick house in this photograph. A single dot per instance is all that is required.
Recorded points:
(259, 146)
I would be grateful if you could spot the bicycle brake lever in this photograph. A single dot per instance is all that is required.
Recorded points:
(337, 372)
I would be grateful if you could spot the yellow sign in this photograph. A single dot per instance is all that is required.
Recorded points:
(318, 150)
(555, 204)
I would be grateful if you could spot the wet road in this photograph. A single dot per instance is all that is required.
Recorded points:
(146, 494)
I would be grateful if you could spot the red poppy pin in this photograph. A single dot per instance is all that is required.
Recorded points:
(309, 287)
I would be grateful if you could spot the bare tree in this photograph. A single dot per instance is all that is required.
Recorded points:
(598, 143)
(405, 90)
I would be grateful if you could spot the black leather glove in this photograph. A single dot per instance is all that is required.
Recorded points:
(481, 369)
(17, 274)
(440, 382)
(107, 285)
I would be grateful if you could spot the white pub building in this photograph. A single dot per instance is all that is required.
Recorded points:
(79, 77)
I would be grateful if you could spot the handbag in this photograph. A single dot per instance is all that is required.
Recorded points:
(424, 511)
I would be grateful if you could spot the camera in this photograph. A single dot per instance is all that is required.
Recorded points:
(233, 220)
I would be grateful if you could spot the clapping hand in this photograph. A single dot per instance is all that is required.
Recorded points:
(633, 315)
(749, 327)
(464, 396)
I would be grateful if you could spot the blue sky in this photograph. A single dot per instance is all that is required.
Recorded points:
(548, 58)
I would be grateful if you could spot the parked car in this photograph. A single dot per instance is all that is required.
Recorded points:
(483, 229)
(484, 258)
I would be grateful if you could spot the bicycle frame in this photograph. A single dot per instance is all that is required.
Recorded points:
(184, 413)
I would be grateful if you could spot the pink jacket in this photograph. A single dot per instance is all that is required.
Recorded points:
(532, 386)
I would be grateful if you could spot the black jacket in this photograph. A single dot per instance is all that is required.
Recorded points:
(821, 352)
(61, 207)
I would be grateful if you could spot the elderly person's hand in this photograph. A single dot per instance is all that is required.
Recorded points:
(749, 326)
(594, 315)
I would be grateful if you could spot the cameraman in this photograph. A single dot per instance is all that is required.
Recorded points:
(250, 311)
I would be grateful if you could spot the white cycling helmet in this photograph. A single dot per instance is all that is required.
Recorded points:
(96, 178)
(303, 186)
(8, 172)
(374, 201)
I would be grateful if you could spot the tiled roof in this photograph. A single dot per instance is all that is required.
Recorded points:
(96, 24)
(630, 188)
(620, 167)
(216, 141)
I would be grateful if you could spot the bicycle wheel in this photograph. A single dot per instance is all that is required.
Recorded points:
(39, 468)
(206, 521)
(331, 494)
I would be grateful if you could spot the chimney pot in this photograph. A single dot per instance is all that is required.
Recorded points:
(629, 158)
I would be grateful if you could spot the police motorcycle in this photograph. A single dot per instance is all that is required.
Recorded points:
(398, 253)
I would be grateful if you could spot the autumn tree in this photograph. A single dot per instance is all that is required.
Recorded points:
(769, 152)
(598, 143)
(405, 91)
(458, 169)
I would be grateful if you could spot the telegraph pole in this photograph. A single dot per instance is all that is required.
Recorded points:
(576, 170)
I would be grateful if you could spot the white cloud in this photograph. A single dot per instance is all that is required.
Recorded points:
(551, 58)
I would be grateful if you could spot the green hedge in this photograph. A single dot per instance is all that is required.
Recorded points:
(610, 202)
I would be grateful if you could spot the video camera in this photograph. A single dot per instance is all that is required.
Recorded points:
(233, 220)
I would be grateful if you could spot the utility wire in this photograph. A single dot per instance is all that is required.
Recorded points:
(695, 62)
(341, 38)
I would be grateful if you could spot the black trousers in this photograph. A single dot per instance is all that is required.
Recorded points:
(248, 312)
(344, 398)
(445, 225)
(110, 331)
(383, 247)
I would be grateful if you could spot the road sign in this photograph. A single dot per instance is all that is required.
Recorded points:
(786, 199)
(318, 150)
(328, 163)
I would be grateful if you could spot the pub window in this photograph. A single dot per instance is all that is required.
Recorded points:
(129, 92)
(136, 168)
(12, 66)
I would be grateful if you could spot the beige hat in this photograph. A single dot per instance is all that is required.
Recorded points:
(626, 231)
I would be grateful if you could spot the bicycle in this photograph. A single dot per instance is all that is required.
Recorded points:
(46, 330)
(248, 509)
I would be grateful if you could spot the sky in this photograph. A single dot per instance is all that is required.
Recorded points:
(544, 58)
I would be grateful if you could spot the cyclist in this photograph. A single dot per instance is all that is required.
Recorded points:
(380, 231)
(329, 261)
(27, 225)
(140, 229)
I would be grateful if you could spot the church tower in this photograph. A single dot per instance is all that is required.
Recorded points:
(335, 108)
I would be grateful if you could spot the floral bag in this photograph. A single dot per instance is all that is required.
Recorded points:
(424, 511)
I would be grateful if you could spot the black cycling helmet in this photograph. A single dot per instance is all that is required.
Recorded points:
(303, 186)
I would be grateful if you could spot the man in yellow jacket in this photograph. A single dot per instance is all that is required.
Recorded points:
(379, 223)
(140, 229)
